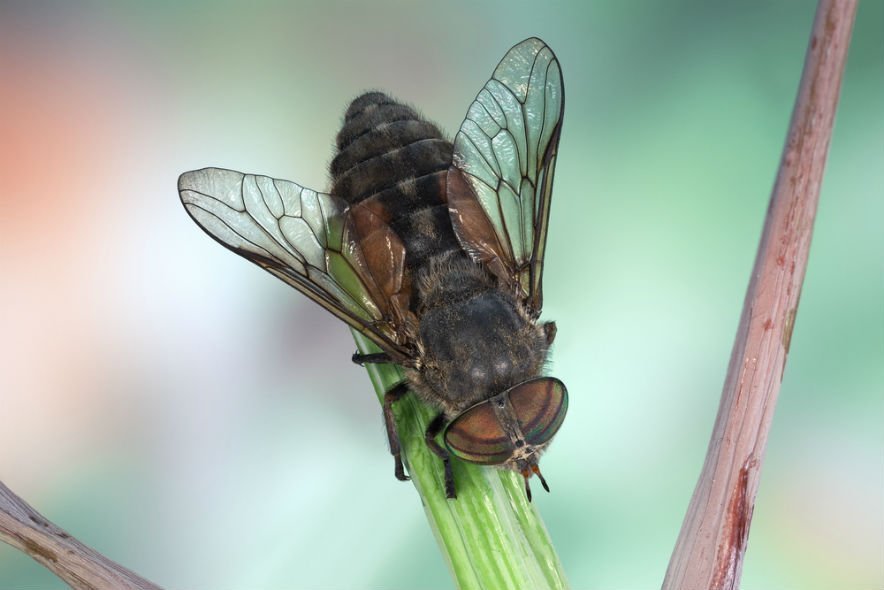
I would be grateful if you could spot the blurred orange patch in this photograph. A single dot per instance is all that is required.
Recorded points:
(61, 128)
(58, 126)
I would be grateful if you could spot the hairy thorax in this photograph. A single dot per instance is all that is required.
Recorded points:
(475, 339)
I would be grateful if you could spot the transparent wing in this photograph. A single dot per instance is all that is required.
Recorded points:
(299, 235)
(500, 183)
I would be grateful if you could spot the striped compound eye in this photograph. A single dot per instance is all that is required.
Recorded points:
(479, 434)
(540, 407)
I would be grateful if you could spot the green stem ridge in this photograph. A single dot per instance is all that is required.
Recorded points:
(491, 536)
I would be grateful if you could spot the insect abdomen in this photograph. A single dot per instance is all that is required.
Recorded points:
(389, 154)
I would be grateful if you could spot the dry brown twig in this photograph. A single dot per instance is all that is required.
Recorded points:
(78, 565)
(710, 547)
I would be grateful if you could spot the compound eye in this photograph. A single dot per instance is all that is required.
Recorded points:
(540, 406)
(476, 436)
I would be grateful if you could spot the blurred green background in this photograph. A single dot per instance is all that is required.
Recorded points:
(200, 422)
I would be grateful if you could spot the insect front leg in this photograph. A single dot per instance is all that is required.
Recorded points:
(392, 396)
(433, 429)
(374, 357)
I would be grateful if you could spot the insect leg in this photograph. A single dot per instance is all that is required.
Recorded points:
(374, 357)
(394, 395)
(549, 330)
(433, 429)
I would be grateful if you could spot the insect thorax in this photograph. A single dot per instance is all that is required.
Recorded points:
(477, 341)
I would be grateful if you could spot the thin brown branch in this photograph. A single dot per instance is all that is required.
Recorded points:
(710, 547)
(78, 565)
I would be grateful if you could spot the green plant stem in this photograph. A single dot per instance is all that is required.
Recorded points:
(491, 536)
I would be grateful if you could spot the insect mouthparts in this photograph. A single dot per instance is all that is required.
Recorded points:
(536, 470)
(526, 473)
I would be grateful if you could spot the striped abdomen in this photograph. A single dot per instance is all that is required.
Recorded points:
(389, 154)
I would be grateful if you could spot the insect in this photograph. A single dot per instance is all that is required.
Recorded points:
(433, 250)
